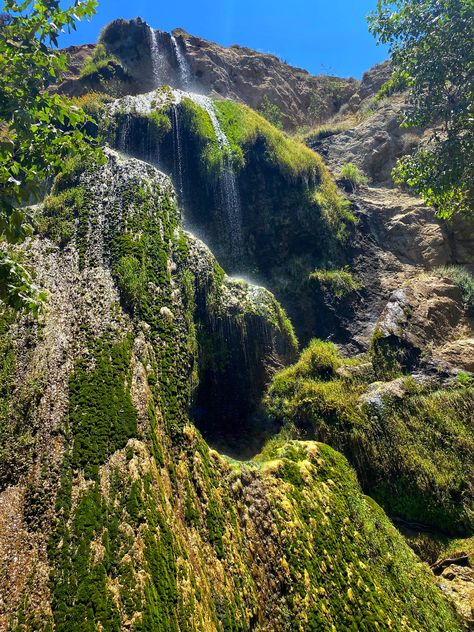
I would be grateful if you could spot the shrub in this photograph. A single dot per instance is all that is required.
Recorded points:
(463, 279)
(271, 112)
(100, 60)
(352, 174)
(339, 282)
(92, 103)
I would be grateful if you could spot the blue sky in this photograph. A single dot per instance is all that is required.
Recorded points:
(323, 36)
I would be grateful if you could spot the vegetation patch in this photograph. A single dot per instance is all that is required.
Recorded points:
(339, 283)
(463, 279)
(199, 124)
(101, 411)
(244, 127)
(353, 175)
(100, 62)
(411, 453)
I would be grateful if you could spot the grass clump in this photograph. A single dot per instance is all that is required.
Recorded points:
(463, 279)
(326, 131)
(271, 112)
(353, 175)
(340, 282)
(335, 209)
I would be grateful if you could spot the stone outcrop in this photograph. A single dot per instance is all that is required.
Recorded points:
(375, 144)
(426, 320)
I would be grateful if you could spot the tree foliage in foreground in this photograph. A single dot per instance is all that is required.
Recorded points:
(39, 130)
(431, 48)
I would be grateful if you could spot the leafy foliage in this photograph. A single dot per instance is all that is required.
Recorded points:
(38, 130)
(431, 50)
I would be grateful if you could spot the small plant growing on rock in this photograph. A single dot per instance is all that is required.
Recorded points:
(271, 112)
(463, 279)
(339, 282)
(353, 176)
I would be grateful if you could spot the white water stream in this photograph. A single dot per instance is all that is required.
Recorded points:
(156, 58)
(229, 190)
(184, 70)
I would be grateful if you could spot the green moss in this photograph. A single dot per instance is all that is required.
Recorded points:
(161, 124)
(80, 599)
(332, 536)
(101, 411)
(199, 124)
(64, 216)
(215, 521)
(410, 453)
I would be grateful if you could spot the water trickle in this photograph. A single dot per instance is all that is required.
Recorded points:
(177, 153)
(124, 136)
(184, 70)
(156, 57)
(229, 191)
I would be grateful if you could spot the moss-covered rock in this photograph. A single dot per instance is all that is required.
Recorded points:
(410, 442)
(288, 219)
(143, 527)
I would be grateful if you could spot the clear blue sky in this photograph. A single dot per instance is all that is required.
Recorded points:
(328, 36)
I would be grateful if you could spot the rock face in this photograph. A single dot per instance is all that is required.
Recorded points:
(427, 318)
(115, 512)
(374, 145)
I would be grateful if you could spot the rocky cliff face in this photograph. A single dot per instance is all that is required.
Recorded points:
(116, 511)
(191, 63)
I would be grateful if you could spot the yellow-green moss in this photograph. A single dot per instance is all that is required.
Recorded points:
(411, 453)
(243, 127)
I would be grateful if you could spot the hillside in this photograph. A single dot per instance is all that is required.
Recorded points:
(248, 402)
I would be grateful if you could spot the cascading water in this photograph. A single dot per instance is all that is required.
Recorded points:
(156, 58)
(229, 190)
(124, 136)
(184, 70)
(177, 153)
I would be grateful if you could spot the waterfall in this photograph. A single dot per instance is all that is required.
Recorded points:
(184, 70)
(156, 58)
(229, 191)
(124, 135)
(177, 153)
